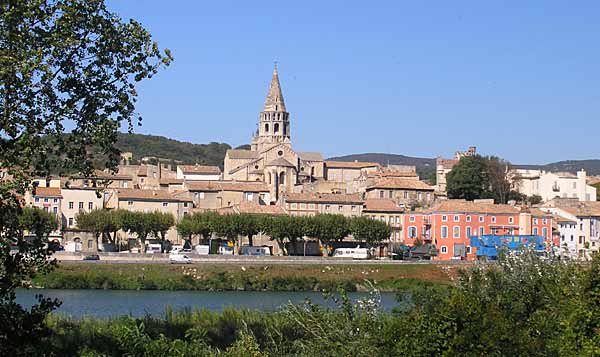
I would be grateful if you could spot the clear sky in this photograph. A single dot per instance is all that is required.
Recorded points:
(517, 79)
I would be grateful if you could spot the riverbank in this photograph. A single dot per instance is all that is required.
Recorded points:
(387, 278)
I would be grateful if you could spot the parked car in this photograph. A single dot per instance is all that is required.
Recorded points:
(225, 250)
(153, 248)
(179, 259)
(92, 257)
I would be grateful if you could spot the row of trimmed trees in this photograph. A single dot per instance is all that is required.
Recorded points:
(284, 229)
(106, 223)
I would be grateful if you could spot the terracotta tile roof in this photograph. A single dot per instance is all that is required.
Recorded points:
(394, 173)
(280, 161)
(215, 186)
(401, 183)
(310, 156)
(446, 163)
(148, 195)
(324, 197)
(536, 212)
(143, 170)
(48, 192)
(381, 205)
(242, 154)
(252, 208)
(576, 207)
(350, 164)
(99, 174)
(462, 206)
(200, 169)
(561, 219)
(170, 181)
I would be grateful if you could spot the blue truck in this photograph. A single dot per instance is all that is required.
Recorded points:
(488, 246)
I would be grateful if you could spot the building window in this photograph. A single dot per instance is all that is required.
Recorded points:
(55, 210)
(535, 221)
(456, 232)
(326, 207)
(276, 128)
(381, 194)
(390, 194)
(56, 200)
(468, 232)
(444, 218)
(419, 196)
(294, 205)
(71, 224)
(468, 249)
(340, 208)
(412, 232)
(37, 199)
(353, 208)
(411, 218)
(481, 219)
(511, 220)
(481, 231)
(165, 204)
(80, 205)
(129, 203)
(493, 219)
(535, 231)
(406, 195)
(90, 205)
(544, 221)
(266, 128)
(456, 218)
(46, 200)
(468, 218)
(444, 232)
(397, 219)
(311, 206)
(545, 232)
(444, 249)
(90, 244)
(71, 205)
(185, 204)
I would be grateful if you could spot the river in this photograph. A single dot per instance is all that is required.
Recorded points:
(112, 303)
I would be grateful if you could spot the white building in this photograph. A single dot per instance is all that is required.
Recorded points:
(586, 217)
(550, 185)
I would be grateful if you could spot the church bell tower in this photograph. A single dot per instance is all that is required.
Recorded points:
(274, 120)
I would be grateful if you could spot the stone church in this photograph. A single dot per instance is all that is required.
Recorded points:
(271, 158)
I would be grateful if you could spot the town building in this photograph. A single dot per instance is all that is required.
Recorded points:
(311, 204)
(220, 194)
(388, 211)
(586, 215)
(550, 185)
(198, 173)
(407, 192)
(444, 166)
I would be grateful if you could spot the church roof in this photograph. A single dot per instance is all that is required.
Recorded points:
(310, 156)
(242, 154)
(280, 161)
(274, 101)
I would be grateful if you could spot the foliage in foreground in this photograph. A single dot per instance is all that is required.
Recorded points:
(521, 306)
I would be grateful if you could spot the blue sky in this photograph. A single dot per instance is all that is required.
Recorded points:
(517, 79)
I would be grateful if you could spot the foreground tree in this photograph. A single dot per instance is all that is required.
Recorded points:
(61, 61)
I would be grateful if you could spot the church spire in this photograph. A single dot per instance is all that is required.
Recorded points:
(274, 101)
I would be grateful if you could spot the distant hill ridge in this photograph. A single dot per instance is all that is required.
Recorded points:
(213, 153)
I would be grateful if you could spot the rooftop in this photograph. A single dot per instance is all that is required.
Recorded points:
(324, 198)
(148, 195)
(242, 186)
(381, 205)
(242, 154)
(401, 183)
(462, 206)
(350, 164)
(48, 192)
(200, 169)
(252, 208)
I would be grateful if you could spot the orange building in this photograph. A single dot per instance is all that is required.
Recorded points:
(449, 224)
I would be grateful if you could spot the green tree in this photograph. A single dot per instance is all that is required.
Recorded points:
(61, 61)
(139, 223)
(160, 223)
(469, 179)
(329, 228)
(372, 232)
(284, 229)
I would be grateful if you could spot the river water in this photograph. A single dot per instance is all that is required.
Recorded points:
(112, 303)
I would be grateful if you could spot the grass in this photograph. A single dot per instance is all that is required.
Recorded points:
(252, 278)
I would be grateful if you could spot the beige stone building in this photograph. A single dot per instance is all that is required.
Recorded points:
(343, 171)
(198, 173)
(311, 204)
(219, 194)
(549, 185)
(403, 191)
(148, 201)
(388, 211)
(444, 166)
(79, 199)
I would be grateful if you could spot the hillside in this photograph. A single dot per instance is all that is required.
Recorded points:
(161, 147)
(213, 154)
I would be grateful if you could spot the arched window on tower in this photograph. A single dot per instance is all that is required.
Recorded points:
(282, 178)
(284, 129)
(276, 128)
(266, 128)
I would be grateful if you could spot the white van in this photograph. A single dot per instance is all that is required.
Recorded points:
(202, 249)
(352, 253)
(153, 248)
(258, 251)
(179, 259)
